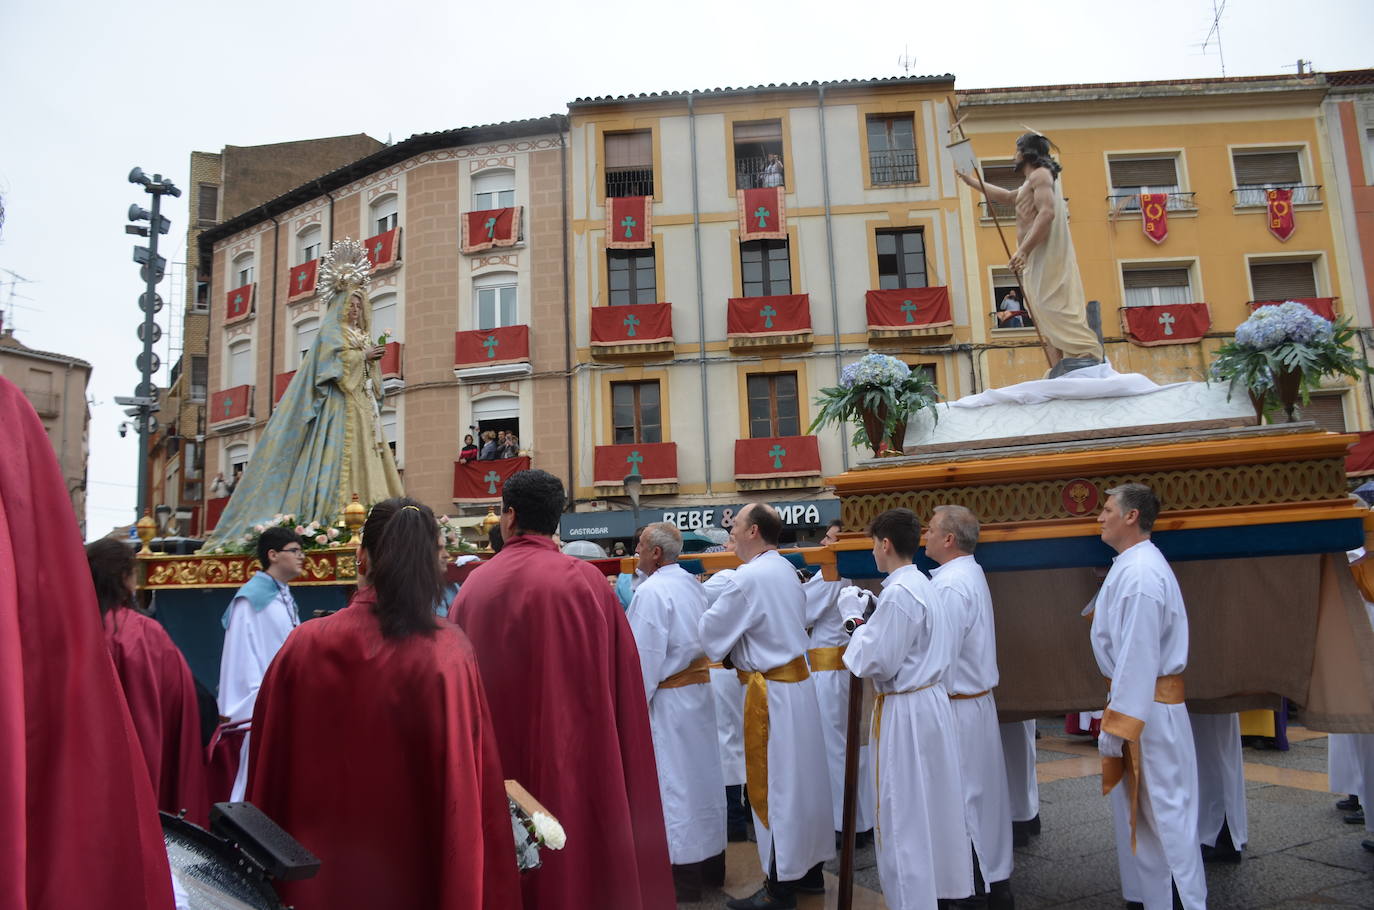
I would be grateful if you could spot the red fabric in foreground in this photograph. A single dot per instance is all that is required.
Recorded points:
(78, 824)
(1360, 458)
(562, 675)
(162, 701)
(378, 756)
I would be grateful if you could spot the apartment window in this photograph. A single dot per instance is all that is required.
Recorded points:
(307, 330)
(1008, 178)
(630, 164)
(901, 259)
(773, 406)
(308, 244)
(383, 212)
(636, 414)
(765, 268)
(493, 190)
(1283, 280)
(1156, 287)
(1132, 176)
(385, 316)
(758, 154)
(237, 458)
(496, 301)
(242, 270)
(240, 370)
(1326, 411)
(892, 149)
(388, 421)
(927, 370)
(200, 377)
(207, 203)
(631, 276)
(1007, 309)
(1257, 171)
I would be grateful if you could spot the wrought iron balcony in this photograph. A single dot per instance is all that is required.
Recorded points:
(749, 173)
(629, 182)
(1256, 195)
(893, 167)
(1130, 202)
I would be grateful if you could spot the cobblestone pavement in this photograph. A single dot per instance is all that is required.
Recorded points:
(1300, 855)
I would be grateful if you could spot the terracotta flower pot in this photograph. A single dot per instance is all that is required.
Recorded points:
(1288, 384)
(873, 426)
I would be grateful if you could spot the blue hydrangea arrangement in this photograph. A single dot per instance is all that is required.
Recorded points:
(877, 394)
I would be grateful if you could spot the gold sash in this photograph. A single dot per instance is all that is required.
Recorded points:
(756, 727)
(1168, 691)
(954, 697)
(825, 659)
(878, 700)
(697, 672)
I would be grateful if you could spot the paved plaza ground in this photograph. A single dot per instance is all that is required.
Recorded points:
(1301, 854)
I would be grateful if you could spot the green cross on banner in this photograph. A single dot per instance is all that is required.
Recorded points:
(762, 214)
(634, 459)
(491, 228)
(768, 313)
(628, 223)
(776, 454)
(228, 404)
(238, 299)
(491, 480)
(300, 281)
(631, 321)
(377, 250)
(908, 308)
(490, 344)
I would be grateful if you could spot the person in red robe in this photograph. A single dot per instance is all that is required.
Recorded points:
(563, 678)
(157, 685)
(78, 822)
(372, 742)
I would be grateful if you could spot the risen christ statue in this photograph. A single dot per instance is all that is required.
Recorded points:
(1044, 258)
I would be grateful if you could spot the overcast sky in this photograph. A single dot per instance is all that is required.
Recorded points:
(92, 89)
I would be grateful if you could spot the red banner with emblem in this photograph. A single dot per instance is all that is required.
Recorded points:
(231, 404)
(629, 223)
(1324, 307)
(238, 303)
(481, 481)
(490, 347)
(302, 280)
(488, 228)
(762, 214)
(279, 385)
(781, 314)
(777, 456)
(640, 323)
(1154, 215)
(1281, 223)
(1174, 324)
(656, 462)
(384, 250)
(908, 308)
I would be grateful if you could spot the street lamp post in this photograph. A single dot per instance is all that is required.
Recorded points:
(633, 484)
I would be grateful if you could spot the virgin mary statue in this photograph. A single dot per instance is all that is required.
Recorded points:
(324, 441)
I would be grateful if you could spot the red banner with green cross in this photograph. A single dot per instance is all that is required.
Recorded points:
(490, 228)
(640, 323)
(490, 347)
(302, 280)
(384, 250)
(656, 462)
(777, 456)
(908, 308)
(630, 223)
(762, 214)
(238, 303)
(780, 314)
(481, 481)
(230, 404)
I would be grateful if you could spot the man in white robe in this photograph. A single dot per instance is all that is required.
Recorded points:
(1222, 820)
(963, 590)
(729, 692)
(1140, 639)
(664, 615)
(905, 648)
(1018, 749)
(825, 655)
(758, 622)
(1353, 760)
(259, 618)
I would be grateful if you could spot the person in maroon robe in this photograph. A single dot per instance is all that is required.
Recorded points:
(78, 823)
(372, 742)
(157, 685)
(563, 678)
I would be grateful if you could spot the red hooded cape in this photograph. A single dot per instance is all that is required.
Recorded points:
(563, 679)
(78, 824)
(378, 756)
(162, 700)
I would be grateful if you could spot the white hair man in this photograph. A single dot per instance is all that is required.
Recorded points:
(758, 622)
(664, 615)
(1140, 640)
(963, 591)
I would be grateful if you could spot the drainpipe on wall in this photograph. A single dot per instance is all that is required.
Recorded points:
(830, 259)
(701, 291)
(272, 343)
(567, 319)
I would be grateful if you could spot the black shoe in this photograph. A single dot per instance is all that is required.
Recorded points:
(736, 835)
(1227, 854)
(999, 896)
(813, 882)
(687, 883)
(1368, 845)
(1355, 818)
(713, 871)
(1350, 804)
(762, 900)
(863, 839)
(1134, 905)
(1026, 828)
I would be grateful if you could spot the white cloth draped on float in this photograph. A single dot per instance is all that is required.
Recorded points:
(1140, 633)
(1099, 381)
(664, 616)
(1220, 779)
(758, 621)
(963, 591)
(729, 692)
(832, 692)
(1018, 749)
(921, 836)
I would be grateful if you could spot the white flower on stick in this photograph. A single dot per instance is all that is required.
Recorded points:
(549, 831)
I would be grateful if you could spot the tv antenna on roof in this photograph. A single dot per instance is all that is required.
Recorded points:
(906, 61)
(1218, 7)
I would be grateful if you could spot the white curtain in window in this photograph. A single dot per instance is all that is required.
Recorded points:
(308, 244)
(306, 331)
(496, 300)
(493, 190)
(386, 316)
(240, 363)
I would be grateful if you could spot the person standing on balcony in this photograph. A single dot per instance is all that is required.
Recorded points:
(772, 171)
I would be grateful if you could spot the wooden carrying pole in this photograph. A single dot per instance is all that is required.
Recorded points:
(849, 813)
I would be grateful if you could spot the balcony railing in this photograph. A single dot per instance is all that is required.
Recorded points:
(749, 173)
(1005, 211)
(629, 182)
(893, 167)
(1130, 202)
(1255, 195)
